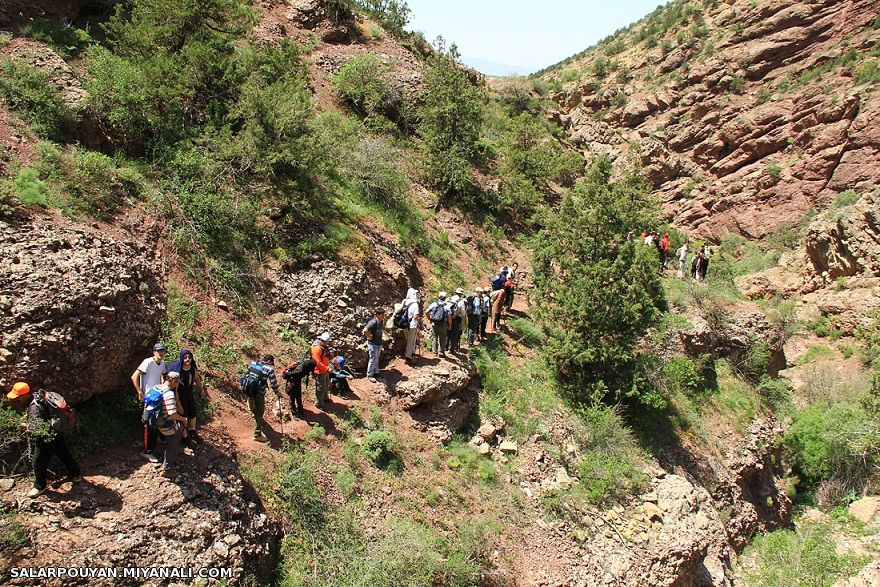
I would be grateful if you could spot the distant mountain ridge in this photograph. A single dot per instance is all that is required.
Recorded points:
(494, 68)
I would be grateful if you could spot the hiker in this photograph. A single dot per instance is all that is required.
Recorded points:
(473, 308)
(664, 250)
(373, 333)
(339, 375)
(166, 421)
(696, 264)
(649, 239)
(441, 321)
(459, 315)
(411, 311)
(682, 258)
(497, 298)
(486, 304)
(508, 293)
(321, 355)
(511, 277)
(704, 262)
(294, 375)
(45, 438)
(260, 375)
(189, 378)
(149, 374)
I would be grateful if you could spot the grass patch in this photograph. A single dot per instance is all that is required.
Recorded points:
(806, 555)
(815, 353)
(12, 534)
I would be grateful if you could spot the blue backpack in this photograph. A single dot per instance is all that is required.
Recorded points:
(253, 382)
(153, 407)
(498, 282)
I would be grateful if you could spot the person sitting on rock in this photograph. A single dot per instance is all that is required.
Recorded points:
(321, 355)
(189, 378)
(339, 376)
(148, 375)
(46, 440)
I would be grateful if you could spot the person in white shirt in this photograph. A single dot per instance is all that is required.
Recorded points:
(411, 307)
(149, 374)
(682, 258)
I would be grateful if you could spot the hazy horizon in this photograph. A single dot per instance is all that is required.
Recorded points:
(523, 34)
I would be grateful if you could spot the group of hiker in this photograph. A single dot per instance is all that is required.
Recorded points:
(168, 391)
(699, 260)
(461, 315)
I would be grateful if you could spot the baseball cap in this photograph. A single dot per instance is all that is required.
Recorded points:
(173, 375)
(459, 290)
(325, 336)
(159, 347)
(442, 295)
(19, 389)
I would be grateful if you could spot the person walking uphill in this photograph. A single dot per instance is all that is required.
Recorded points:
(474, 307)
(459, 312)
(321, 355)
(149, 374)
(411, 308)
(46, 439)
(486, 304)
(497, 298)
(373, 333)
(441, 321)
(256, 380)
(189, 378)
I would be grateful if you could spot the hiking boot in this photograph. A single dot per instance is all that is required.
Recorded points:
(150, 457)
(76, 479)
(34, 492)
(372, 380)
(260, 437)
(169, 473)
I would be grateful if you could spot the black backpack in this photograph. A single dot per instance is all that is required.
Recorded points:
(401, 318)
(469, 308)
(439, 312)
(254, 381)
(293, 370)
(497, 282)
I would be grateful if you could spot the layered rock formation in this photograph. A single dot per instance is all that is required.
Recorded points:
(745, 122)
(75, 305)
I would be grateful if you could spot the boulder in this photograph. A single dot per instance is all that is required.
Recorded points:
(80, 309)
(429, 385)
(867, 509)
(508, 447)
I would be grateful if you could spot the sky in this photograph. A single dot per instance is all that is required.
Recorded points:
(527, 33)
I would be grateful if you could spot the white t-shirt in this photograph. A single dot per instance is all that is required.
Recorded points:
(411, 312)
(152, 373)
(682, 253)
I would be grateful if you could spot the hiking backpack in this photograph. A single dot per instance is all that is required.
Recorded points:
(471, 307)
(253, 381)
(497, 282)
(438, 312)
(63, 417)
(153, 407)
(293, 370)
(401, 320)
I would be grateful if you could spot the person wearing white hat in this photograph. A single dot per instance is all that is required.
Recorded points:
(441, 320)
(474, 308)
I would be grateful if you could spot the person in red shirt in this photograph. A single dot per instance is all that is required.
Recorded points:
(664, 251)
(321, 355)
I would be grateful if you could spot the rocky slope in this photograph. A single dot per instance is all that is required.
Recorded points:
(79, 304)
(745, 115)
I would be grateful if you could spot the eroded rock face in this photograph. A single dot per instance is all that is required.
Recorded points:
(727, 147)
(846, 243)
(341, 299)
(78, 309)
(433, 384)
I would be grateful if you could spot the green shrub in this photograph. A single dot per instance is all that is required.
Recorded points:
(839, 441)
(825, 328)
(68, 41)
(29, 91)
(360, 81)
(451, 121)
(806, 555)
(380, 448)
(600, 67)
(375, 173)
(13, 536)
(605, 287)
(774, 170)
(685, 375)
(753, 361)
(393, 14)
(868, 72)
(845, 198)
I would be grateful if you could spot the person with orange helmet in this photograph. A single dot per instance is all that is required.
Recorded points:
(47, 440)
